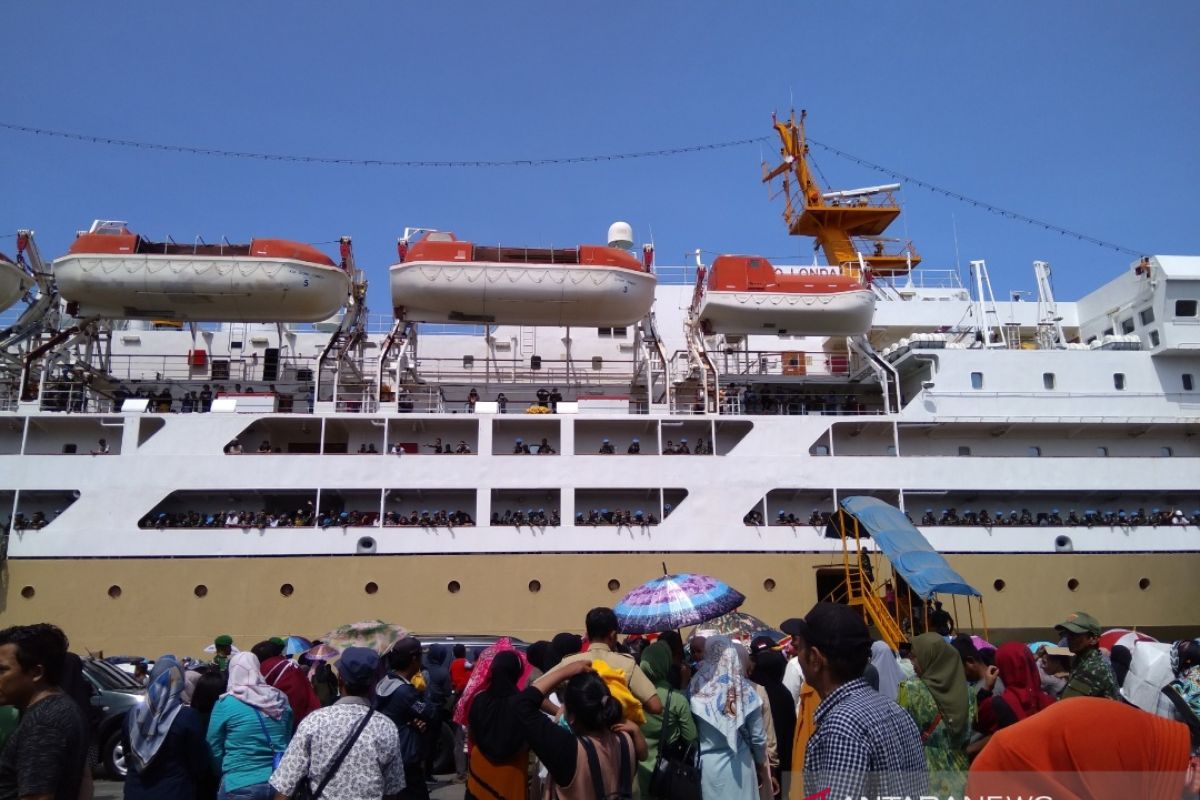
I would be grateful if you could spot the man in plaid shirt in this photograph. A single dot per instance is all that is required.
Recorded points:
(863, 744)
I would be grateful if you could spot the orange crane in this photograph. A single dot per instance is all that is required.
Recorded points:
(848, 224)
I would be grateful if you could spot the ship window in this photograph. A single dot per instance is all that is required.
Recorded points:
(1146, 315)
(820, 450)
(1187, 382)
(976, 380)
(1048, 380)
(1102, 451)
(1185, 308)
(1108, 331)
(891, 449)
(468, 362)
(964, 450)
(1035, 451)
(604, 331)
(1166, 452)
(597, 363)
(1127, 325)
(1119, 380)
(1091, 339)
(620, 333)
(1154, 338)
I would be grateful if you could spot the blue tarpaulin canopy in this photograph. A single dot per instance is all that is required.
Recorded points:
(924, 568)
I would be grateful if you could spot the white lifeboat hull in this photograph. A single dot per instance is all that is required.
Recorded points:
(521, 294)
(14, 282)
(201, 289)
(797, 313)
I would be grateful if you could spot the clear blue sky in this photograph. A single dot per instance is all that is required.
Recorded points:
(1082, 113)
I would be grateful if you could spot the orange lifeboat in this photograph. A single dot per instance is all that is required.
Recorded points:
(14, 282)
(746, 295)
(112, 272)
(443, 279)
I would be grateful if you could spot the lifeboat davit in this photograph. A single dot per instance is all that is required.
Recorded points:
(14, 282)
(113, 272)
(442, 279)
(746, 295)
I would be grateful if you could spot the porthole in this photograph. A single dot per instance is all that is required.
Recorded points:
(998, 585)
(114, 591)
(28, 592)
(1073, 584)
(371, 588)
(535, 586)
(769, 584)
(1144, 584)
(287, 589)
(201, 590)
(614, 585)
(453, 587)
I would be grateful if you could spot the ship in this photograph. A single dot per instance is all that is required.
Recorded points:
(201, 439)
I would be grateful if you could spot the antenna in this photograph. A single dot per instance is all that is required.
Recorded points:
(957, 258)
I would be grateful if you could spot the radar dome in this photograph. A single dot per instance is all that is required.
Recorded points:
(620, 234)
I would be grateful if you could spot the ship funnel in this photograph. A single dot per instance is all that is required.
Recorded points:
(620, 234)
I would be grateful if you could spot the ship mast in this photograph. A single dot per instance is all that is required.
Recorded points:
(847, 224)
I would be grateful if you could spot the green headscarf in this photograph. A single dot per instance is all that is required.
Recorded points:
(941, 671)
(656, 662)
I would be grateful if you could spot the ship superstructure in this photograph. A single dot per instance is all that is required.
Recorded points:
(495, 469)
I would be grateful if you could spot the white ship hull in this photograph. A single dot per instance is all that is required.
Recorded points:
(14, 282)
(836, 314)
(508, 294)
(202, 289)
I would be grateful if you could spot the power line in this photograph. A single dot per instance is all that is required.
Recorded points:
(544, 162)
(374, 162)
(1013, 215)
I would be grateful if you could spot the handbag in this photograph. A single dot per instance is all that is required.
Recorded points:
(276, 755)
(676, 774)
(304, 790)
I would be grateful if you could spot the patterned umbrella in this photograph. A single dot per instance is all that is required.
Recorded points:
(375, 634)
(322, 652)
(673, 601)
(742, 626)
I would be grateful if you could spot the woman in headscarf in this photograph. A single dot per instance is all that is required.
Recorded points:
(1085, 748)
(769, 668)
(656, 664)
(249, 724)
(1022, 695)
(164, 740)
(481, 676)
(889, 676)
(1184, 690)
(943, 707)
(500, 760)
(729, 720)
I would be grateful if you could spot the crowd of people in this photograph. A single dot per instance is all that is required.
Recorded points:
(821, 709)
(1013, 519)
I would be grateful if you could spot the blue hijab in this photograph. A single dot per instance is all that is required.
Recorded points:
(150, 721)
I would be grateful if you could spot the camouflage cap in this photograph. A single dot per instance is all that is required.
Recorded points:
(1079, 622)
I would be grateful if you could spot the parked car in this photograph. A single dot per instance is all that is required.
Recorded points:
(469, 640)
(443, 745)
(115, 693)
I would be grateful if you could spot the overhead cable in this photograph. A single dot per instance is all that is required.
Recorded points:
(545, 162)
